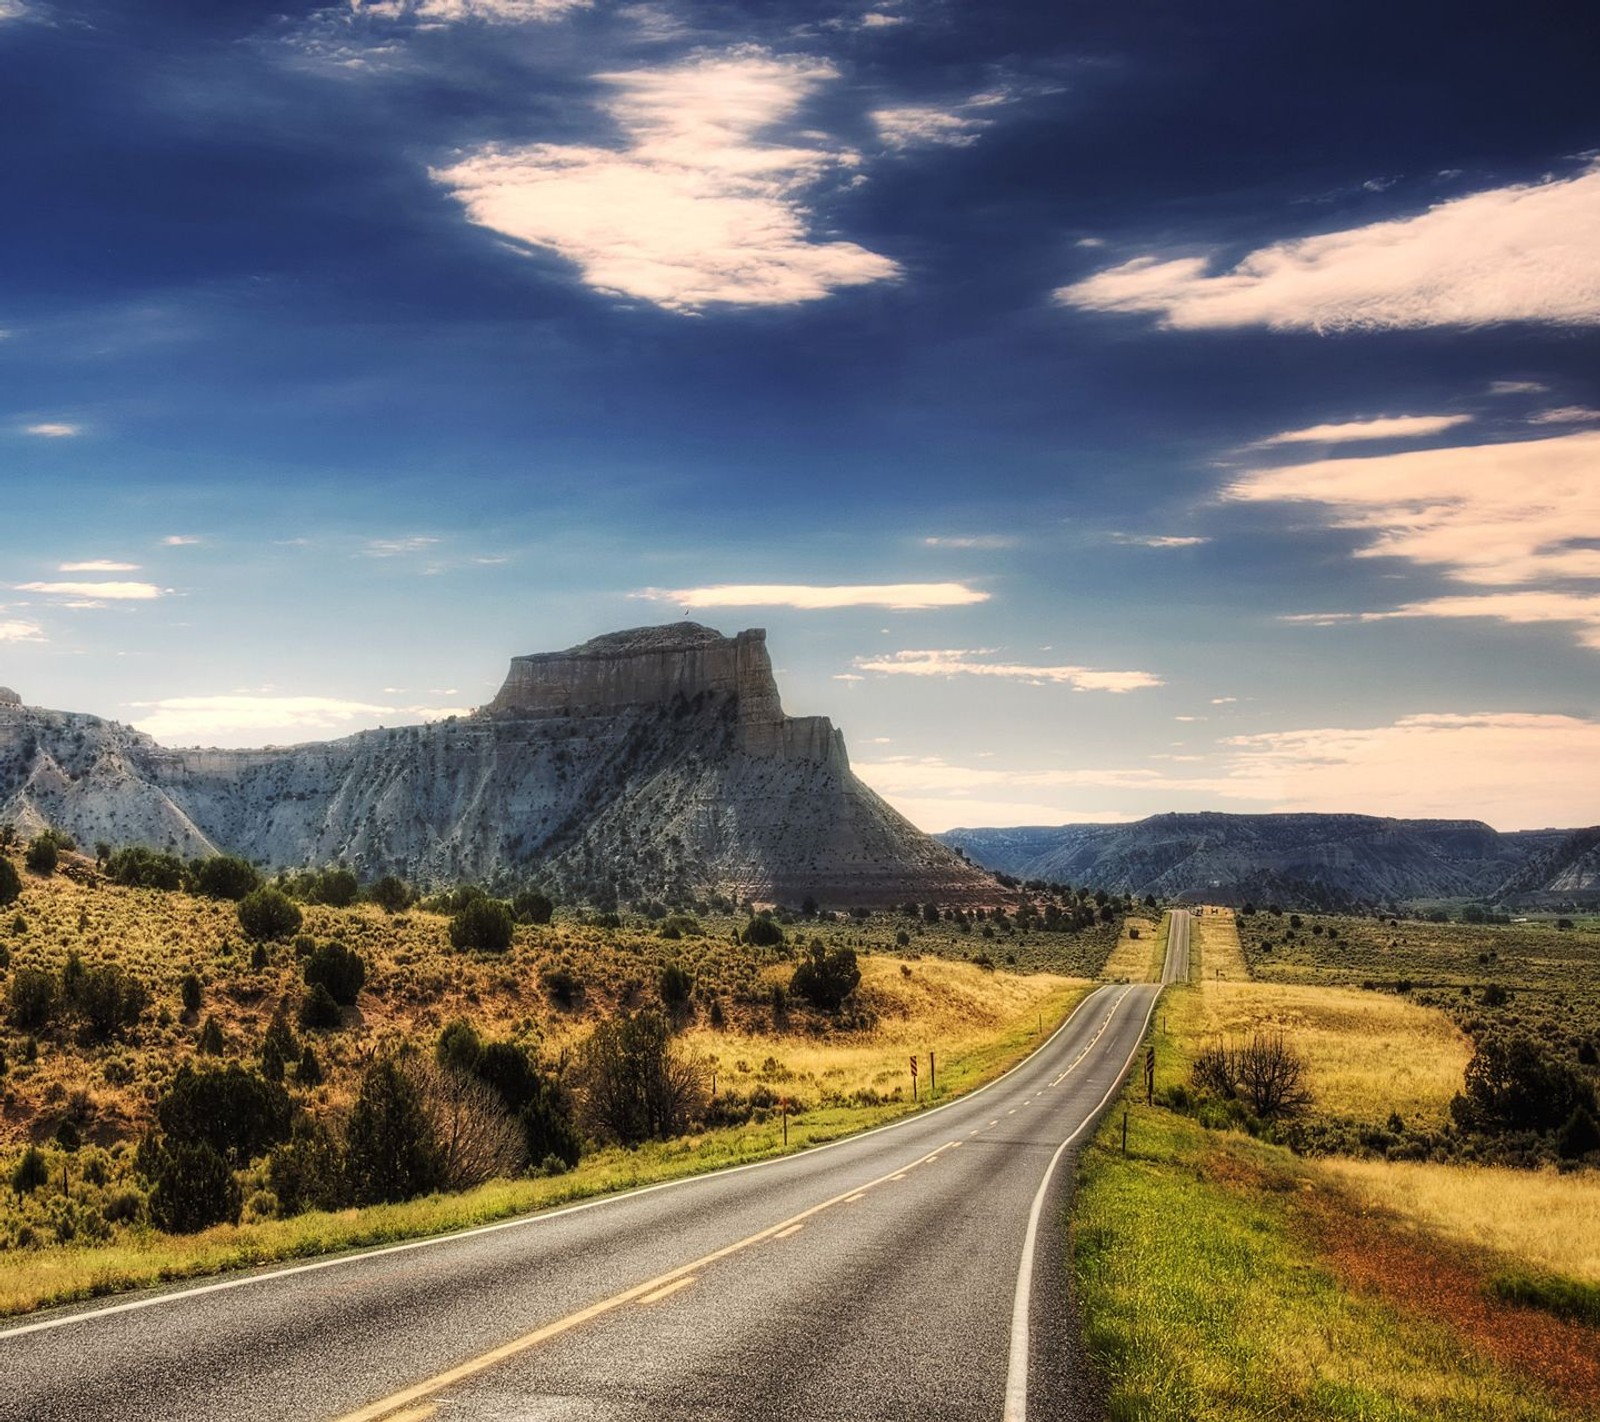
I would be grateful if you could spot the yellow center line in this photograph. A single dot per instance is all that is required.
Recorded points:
(415, 1414)
(668, 1289)
(795, 1229)
(394, 1407)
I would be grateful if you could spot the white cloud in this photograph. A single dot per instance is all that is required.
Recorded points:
(979, 540)
(1565, 415)
(1490, 515)
(115, 592)
(1517, 387)
(1159, 540)
(969, 662)
(53, 430)
(16, 630)
(504, 12)
(705, 203)
(1223, 700)
(877, 20)
(187, 719)
(98, 565)
(955, 125)
(12, 9)
(1529, 252)
(1516, 770)
(179, 540)
(395, 547)
(902, 597)
(1385, 427)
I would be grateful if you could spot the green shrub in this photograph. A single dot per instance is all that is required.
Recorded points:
(484, 924)
(268, 913)
(826, 978)
(635, 1088)
(139, 868)
(337, 888)
(278, 1046)
(532, 907)
(210, 1043)
(10, 882)
(43, 855)
(677, 984)
(32, 999)
(31, 1172)
(191, 1188)
(189, 990)
(339, 969)
(319, 1011)
(307, 1172)
(391, 1152)
(763, 933)
(1513, 1084)
(225, 876)
(236, 1112)
(391, 894)
(309, 1071)
(107, 999)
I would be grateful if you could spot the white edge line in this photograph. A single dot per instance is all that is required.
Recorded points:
(522, 1221)
(1016, 1408)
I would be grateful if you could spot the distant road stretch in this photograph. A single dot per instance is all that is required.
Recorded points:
(914, 1272)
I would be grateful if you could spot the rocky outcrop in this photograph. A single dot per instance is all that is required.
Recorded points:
(651, 763)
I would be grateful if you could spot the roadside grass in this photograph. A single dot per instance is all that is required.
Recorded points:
(1221, 958)
(1547, 1222)
(38, 1277)
(1138, 960)
(1208, 1295)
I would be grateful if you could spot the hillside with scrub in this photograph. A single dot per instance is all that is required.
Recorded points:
(199, 1068)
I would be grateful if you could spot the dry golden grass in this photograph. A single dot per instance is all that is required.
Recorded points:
(1367, 1054)
(1137, 960)
(1215, 932)
(927, 1005)
(1546, 1220)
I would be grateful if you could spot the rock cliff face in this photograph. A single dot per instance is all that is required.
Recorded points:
(650, 763)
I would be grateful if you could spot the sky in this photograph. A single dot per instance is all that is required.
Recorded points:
(1107, 408)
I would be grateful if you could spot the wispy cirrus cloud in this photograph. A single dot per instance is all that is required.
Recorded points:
(98, 592)
(1382, 427)
(1517, 387)
(53, 429)
(98, 565)
(179, 540)
(1160, 540)
(704, 204)
(956, 125)
(972, 540)
(899, 597)
(958, 661)
(500, 12)
(398, 547)
(1565, 415)
(1527, 252)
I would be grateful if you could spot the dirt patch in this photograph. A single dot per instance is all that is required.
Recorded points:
(1430, 1278)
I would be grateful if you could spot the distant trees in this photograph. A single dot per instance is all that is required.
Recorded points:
(337, 968)
(10, 882)
(43, 855)
(139, 868)
(763, 933)
(391, 893)
(529, 906)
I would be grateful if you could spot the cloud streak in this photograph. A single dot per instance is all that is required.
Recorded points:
(969, 662)
(899, 597)
(1384, 427)
(99, 592)
(1523, 515)
(704, 204)
(1529, 252)
(187, 718)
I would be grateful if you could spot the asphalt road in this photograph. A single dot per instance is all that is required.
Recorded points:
(912, 1272)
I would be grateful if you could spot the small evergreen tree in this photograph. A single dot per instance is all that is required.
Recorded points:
(484, 924)
(391, 1153)
(268, 913)
(10, 882)
(339, 969)
(225, 877)
(191, 1188)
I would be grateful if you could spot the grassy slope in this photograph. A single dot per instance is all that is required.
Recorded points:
(1223, 1278)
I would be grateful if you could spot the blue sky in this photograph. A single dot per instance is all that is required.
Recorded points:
(1107, 409)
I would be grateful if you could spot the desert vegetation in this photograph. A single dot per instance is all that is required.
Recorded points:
(203, 1067)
